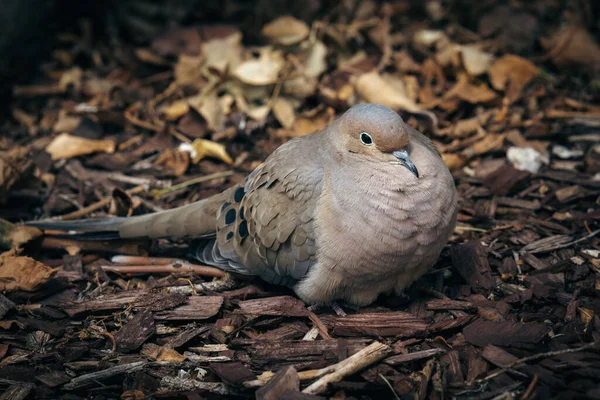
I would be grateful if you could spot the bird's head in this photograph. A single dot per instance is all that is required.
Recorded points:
(377, 132)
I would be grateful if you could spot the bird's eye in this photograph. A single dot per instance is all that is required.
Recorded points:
(366, 139)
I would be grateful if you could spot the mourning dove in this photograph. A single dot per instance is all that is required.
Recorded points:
(360, 208)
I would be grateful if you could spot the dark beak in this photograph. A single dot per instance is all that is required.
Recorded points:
(402, 156)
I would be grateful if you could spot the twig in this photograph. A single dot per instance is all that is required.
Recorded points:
(530, 388)
(99, 204)
(524, 360)
(161, 192)
(175, 266)
(335, 373)
(319, 324)
(215, 286)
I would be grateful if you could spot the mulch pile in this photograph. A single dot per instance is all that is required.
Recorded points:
(121, 127)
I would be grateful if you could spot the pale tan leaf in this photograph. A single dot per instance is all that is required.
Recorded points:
(22, 273)
(223, 54)
(315, 63)
(472, 93)
(209, 107)
(373, 88)
(475, 61)
(283, 110)
(66, 146)
(286, 30)
(176, 110)
(188, 70)
(262, 71)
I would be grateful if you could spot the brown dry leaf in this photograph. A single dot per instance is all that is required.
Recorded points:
(22, 273)
(202, 148)
(176, 110)
(161, 353)
(66, 122)
(311, 122)
(209, 107)
(149, 57)
(66, 146)
(300, 87)
(512, 73)
(14, 163)
(188, 70)
(15, 235)
(573, 45)
(454, 161)
(286, 30)
(222, 54)
(490, 142)
(470, 92)
(283, 110)
(262, 71)
(174, 162)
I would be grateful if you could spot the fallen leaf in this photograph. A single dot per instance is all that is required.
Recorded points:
(475, 61)
(511, 74)
(71, 79)
(470, 92)
(174, 162)
(176, 110)
(149, 57)
(315, 63)
(311, 122)
(12, 235)
(14, 163)
(454, 161)
(201, 148)
(66, 146)
(573, 45)
(283, 110)
(22, 273)
(262, 71)
(373, 88)
(187, 70)
(161, 353)
(209, 107)
(286, 30)
(222, 54)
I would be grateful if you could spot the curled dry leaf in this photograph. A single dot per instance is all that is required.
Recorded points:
(311, 122)
(283, 110)
(573, 45)
(66, 146)
(202, 148)
(454, 161)
(188, 70)
(375, 88)
(14, 163)
(174, 162)
(475, 61)
(222, 54)
(176, 110)
(209, 107)
(472, 93)
(286, 31)
(315, 63)
(22, 273)
(161, 353)
(12, 235)
(262, 71)
(512, 73)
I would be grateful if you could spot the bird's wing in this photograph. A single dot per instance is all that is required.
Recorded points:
(266, 226)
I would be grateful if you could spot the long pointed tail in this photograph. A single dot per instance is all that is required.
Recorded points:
(189, 221)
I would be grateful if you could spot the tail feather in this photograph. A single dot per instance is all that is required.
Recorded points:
(80, 226)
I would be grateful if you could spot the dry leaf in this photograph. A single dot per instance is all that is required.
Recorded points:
(174, 162)
(149, 57)
(66, 146)
(176, 110)
(71, 79)
(283, 110)
(286, 30)
(161, 353)
(490, 142)
(454, 161)
(22, 273)
(222, 54)
(15, 235)
(373, 88)
(311, 122)
(202, 148)
(315, 63)
(209, 107)
(300, 87)
(188, 70)
(13, 165)
(475, 61)
(471, 93)
(262, 71)
(573, 45)
(511, 74)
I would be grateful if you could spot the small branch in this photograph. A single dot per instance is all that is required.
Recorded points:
(161, 192)
(175, 266)
(99, 204)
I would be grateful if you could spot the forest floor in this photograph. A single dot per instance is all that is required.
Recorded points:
(117, 125)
